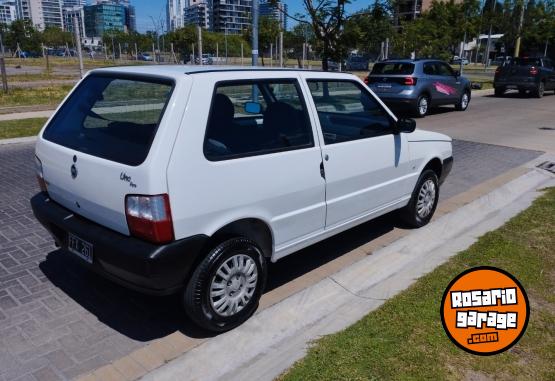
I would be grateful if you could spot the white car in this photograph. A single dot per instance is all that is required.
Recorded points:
(189, 179)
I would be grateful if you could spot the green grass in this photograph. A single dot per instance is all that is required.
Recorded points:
(51, 95)
(404, 339)
(39, 77)
(20, 128)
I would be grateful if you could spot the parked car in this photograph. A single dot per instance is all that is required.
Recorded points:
(206, 60)
(357, 63)
(418, 85)
(457, 61)
(533, 75)
(255, 177)
(144, 57)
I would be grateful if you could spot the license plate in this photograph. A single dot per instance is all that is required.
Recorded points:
(81, 248)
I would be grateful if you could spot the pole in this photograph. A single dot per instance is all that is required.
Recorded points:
(271, 54)
(387, 48)
(461, 55)
(517, 43)
(304, 53)
(119, 49)
(136, 52)
(192, 53)
(545, 51)
(78, 43)
(486, 63)
(154, 53)
(241, 54)
(280, 49)
(255, 32)
(199, 32)
(225, 38)
(4, 76)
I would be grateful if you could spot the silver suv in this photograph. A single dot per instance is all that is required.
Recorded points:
(418, 85)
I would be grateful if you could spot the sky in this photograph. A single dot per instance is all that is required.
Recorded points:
(157, 9)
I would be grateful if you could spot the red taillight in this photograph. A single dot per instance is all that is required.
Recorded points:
(498, 70)
(40, 175)
(533, 71)
(410, 81)
(366, 80)
(149, 217)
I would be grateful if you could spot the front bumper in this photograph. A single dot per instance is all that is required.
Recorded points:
(446, 169)
(131, 262)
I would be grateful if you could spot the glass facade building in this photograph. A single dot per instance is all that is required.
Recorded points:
(100, 18)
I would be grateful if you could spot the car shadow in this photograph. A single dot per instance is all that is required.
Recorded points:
(513, 94)
(145, 318)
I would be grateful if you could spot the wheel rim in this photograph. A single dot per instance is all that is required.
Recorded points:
(423, 106)
(464, 101)
(233, 285)
(426, 199)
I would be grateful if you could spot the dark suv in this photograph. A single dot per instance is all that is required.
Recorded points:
(534, 75)
(418, 85)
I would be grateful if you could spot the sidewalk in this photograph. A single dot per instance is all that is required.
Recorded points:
(26, 115)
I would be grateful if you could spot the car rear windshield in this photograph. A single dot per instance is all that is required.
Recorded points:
(393, 68)
(114, 117)
(526, 61)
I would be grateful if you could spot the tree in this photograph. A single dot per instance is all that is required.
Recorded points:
(23, 33)
(268, 31)
(55, 37)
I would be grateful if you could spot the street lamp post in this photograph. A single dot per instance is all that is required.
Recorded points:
(255, 33)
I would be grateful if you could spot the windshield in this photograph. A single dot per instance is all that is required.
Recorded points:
(112, 117)
(393, 68)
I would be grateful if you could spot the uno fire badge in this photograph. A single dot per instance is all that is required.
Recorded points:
(485, 311)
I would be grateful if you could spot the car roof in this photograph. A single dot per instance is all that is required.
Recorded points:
(180, 70)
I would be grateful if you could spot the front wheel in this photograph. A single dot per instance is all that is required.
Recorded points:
(225, 288)
(463, 102)
(423, 202)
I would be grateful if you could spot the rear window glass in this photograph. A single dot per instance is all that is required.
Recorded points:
(112, 117)
(526, 61)
(393, 68)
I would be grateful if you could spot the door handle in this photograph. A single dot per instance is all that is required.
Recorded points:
(322, 170)
(326, 157)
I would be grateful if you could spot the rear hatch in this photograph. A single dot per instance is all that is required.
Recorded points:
(391, 77)
(92, 150)
(518, 69)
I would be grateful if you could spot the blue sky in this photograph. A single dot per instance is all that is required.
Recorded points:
(157, 9)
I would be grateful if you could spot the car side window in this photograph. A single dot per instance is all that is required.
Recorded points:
(429, 68)
(347, 111)
(444, 69)
(251, 117)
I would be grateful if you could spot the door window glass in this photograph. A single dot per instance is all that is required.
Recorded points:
(347, 112)
(256, 117)
(444, 69)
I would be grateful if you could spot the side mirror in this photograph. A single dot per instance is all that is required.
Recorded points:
(407, 125)
(253, 108)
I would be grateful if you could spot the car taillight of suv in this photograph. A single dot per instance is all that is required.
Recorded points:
(533, 70)
(149, 217)
(409, 81)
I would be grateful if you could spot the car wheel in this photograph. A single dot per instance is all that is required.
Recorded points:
(423, 202)
(499, 91)
(540, 90)
(225, 288)
(422, 106)
(463, 102)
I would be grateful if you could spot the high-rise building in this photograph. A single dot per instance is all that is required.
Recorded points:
(412, 9)
(231, 16)
(102, 17)
(197, 12)
(52, 13)
(73, 3)
(7, 12)
(71, 13)
(276, 11)
(174, 14)
(130, 18)
(41, 13)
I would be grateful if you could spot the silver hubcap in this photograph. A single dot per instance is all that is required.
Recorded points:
(426, 199)
(464, 101)
(233, 285)
(423, 106)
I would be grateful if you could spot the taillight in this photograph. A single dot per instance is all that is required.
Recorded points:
(366, 80)
(40, 175)
(410, 81)
(149, 217)
(498, 70)
(533, 70)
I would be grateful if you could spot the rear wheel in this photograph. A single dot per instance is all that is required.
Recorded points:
(225, 288)
(463, 102)
(422, 106)
(499, 91)
(423, 201)
(540, 90)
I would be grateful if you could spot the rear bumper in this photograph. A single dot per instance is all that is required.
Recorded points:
(524, 85)
(131, 262)
(446, 169)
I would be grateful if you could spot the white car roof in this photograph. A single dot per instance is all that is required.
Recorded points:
(176, 71)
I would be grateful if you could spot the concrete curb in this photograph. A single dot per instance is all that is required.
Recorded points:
(26, 115)
(28, 139)
(275, 338)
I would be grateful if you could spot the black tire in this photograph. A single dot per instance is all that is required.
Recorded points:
(499, 91)
(462, 105)
(540, 90)
(197, 299)
(410, 213)
(422, 106)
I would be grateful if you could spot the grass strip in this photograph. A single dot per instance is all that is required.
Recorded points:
(21, 127)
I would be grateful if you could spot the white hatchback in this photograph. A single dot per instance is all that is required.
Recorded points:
(189, 179)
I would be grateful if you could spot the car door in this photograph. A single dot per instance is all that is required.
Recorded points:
(445, 84)
(365, 165)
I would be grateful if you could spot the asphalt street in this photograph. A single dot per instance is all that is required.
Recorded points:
(58, 321)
